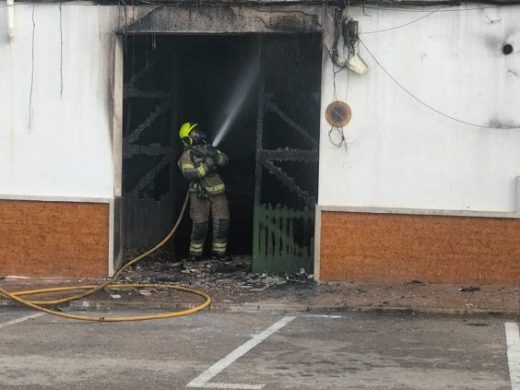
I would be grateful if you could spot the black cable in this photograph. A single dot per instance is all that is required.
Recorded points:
(391, 5)
(426, 104)
(427, 3)
(61, 51)
(402, 25)
(334, 73)
(333, 52)
(340, 67)
(341, 141)
(360, 3)
(32, 70)
(445, 8)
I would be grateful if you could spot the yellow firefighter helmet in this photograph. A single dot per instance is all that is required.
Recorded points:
(185, 130)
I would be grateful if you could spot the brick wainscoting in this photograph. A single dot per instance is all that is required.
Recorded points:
(54, 239)
(433, 249)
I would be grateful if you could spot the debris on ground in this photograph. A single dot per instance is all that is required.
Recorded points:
(469, 289)
(234, 274)
(145, 293)
(415, 281)
(232, 284)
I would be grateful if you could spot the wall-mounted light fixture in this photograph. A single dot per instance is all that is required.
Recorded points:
(357, 65)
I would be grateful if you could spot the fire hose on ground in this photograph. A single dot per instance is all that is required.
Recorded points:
(39, 305)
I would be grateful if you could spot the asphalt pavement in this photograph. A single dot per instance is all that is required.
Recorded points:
(260, 350)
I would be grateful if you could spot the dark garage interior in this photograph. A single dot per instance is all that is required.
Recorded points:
(172, 79)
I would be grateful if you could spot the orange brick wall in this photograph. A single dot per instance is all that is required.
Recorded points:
(434, 249)
(54, 239)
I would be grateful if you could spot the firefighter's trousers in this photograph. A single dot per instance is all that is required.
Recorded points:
(200, 210)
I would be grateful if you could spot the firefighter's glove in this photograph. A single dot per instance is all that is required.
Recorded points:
(210, 163)
(212, 152)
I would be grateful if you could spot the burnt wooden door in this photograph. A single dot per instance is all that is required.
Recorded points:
(287, 154)
(149, 147)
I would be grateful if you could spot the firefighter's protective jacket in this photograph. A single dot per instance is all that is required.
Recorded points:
(194, 168)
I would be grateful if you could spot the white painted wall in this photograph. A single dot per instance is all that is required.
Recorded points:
(60, 145)
(401, 154)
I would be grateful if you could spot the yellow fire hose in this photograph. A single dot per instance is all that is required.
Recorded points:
(110, 284)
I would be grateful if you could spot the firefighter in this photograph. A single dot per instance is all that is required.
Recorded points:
(199, 164)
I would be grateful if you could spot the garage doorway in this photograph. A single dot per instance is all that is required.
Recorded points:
(272, 138)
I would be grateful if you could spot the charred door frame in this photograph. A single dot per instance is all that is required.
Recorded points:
(192, 18)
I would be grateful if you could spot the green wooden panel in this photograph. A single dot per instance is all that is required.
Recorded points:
(275, 245)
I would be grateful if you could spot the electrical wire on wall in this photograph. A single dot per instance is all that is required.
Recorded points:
(347, 30)
(338, 133)
(447, 7)
(403, 25)
(333, 51)
(416, 98)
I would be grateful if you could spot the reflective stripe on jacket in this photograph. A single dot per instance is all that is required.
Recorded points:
(192, 166)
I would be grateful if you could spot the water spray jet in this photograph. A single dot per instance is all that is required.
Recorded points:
(238, 98)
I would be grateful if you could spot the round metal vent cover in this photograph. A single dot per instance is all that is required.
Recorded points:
(338, 113)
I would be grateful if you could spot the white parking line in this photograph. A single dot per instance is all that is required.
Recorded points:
(202, 381)
(333, 316)
(513, 354)
(18, 320)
